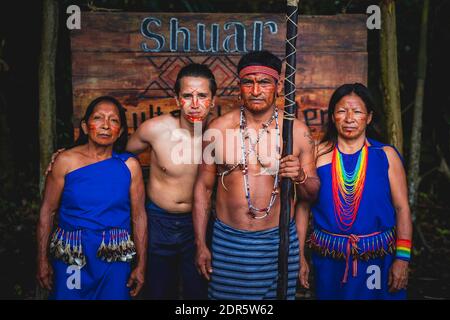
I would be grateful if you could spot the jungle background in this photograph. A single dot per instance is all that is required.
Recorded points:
(21, 24)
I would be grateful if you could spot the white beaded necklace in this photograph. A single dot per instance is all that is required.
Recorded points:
(253, 211)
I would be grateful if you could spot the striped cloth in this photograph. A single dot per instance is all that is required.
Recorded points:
(245, 263)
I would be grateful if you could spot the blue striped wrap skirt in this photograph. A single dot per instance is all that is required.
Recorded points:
(245, 263)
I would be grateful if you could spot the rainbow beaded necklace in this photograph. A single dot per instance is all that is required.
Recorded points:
(347, 187)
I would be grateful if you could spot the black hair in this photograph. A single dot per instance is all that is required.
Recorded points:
(373, 129)
(260, 58)
(196, 70)
(121, 143)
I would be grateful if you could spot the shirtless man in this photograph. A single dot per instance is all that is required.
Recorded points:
(243, 263)
(175, 149)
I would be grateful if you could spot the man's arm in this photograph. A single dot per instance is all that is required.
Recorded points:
(309, 185)
(141, 139)
(139, 221)
(203, 190)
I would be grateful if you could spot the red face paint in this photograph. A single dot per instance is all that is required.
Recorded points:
(195, 98)
(194, 119)
(351, 117)
(115, 130)
(258, 91)
(104, 124)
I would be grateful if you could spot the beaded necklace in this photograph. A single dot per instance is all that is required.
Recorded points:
(253, 211)
(347, 187)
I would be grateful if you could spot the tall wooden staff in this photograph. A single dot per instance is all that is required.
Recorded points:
(289, 115)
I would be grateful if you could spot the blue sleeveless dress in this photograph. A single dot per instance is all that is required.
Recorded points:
(95, 207)
(355, 264)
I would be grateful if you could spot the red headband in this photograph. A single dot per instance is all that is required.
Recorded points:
(259, 69)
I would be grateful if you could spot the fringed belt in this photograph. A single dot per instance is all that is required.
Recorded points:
(365, 247)
(67, 246)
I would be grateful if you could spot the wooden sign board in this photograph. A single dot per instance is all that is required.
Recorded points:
(135, 57)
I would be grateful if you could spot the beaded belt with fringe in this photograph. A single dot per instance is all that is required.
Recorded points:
(356, 247)
(67, 246)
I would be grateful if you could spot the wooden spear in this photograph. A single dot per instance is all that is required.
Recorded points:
(289, 114)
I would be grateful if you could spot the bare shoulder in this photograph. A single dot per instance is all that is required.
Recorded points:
(300, 127)
(165, 120)
(151, 127)
(67, 160)
(323, 153)
(134, 165)
(302, 136)
(324, 147)
(392, 156)
(229, 120)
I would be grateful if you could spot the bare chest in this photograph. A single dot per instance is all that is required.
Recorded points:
(176, 154)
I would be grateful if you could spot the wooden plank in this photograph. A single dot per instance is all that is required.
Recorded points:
(154, 74)
(138, 110)
(312, 109)
(122, 31)
(108, 59)
(142, 71)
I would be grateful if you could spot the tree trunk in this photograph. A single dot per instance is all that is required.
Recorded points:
(47, 97)
(416, 136)
(389, 74)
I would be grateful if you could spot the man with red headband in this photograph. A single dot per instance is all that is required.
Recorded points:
(174, 141)
(243, 263)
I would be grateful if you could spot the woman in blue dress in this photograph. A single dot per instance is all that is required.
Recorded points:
(94, 188)
(362, 223)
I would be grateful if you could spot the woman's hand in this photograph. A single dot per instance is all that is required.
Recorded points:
(136, 281)
(398, 275)
(44, 274)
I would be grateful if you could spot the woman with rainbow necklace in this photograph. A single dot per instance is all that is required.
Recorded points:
(362, 222)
